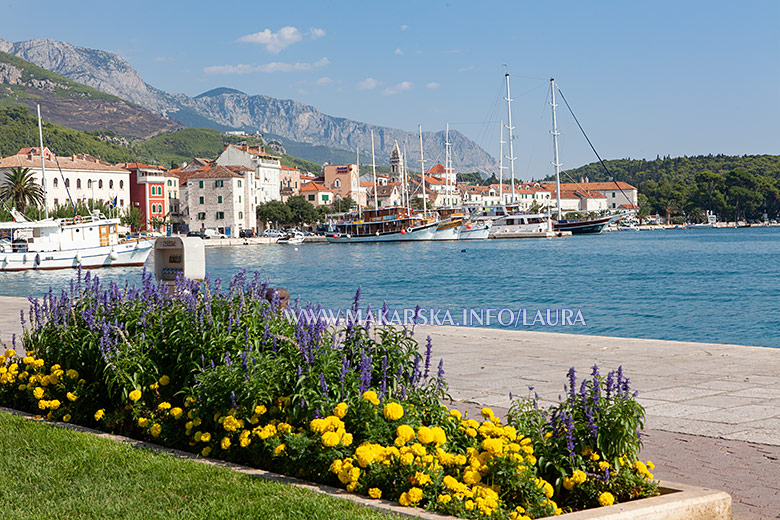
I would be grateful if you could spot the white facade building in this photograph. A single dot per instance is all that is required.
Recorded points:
(218, 198)
(266, 178)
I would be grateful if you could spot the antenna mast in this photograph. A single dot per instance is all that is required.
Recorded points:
(373, 163)
(43, 166)
(447, 164)
(422, 173)
(501, 165)
(555, 134)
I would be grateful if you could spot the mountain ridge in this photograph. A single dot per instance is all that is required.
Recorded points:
(225, 108)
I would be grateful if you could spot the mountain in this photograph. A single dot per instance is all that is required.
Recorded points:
(73, 104)
(225, 108)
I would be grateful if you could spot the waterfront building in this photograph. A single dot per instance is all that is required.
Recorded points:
(388, 194)
(396, 164)
(478, 196)
(79, 177)
(220, 198)
(344, 181)
(265, 180)
(615, 193)
(289, 182)
(317, 194)
(148, 192)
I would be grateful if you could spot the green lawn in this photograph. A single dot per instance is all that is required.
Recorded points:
(52, 472)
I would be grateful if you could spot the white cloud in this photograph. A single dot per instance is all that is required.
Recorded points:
(399, 52)
(403, 27)
(275, 66)
(316, 32)
(368, 84)
(163, 59)
(466, 69)
(274, 42)
(398, 87)
(325, 80)
(432, 84)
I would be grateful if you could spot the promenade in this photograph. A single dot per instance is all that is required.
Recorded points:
(713, 411)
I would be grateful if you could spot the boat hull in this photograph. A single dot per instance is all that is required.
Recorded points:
(447, 230)
(583, 227)
(124, 254)
(475, 232)
(419, 233)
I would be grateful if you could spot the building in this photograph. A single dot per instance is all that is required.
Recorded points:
(148, 192)
(343, 180)
(579, 201)
(396, 164)
(218, 198)
(266, 178)
(478, 196)
(289, 182)
(388, 194)
(317, 194)
(445, 183)
(79, 177)
(616, 193)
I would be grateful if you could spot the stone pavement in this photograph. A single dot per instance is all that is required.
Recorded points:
(713, 411)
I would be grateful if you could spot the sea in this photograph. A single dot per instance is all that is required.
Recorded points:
(704, 285)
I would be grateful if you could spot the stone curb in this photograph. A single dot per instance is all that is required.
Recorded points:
(676, 502)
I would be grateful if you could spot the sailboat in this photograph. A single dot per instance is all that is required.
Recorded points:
(580, 226)
(91, 241)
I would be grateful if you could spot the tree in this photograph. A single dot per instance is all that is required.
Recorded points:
(343, 204)
(132, 218)
(274, 211)
(21, 189)
(302, 210)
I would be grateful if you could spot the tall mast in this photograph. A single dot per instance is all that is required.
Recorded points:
(422, 173)
(357, 162)
(43, 165)
(510, 128)
(556, 163)
(501, 165)
(447, 164)
(373, 163)
(404, 181)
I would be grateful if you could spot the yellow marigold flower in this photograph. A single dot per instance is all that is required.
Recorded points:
(487, 413)
(54, 404)
(471, 432)
(578, 476)
(335, 466)
(99, 414)
(177, 412)
(456, 413)
(27, 360)
(346, 440)
(156, 430)
(606, 499)
(421, 479)
(279, 450)
(232, 424)
(206, 437)
(66, 418)
(424, 435)
(568, 483)
(38, 393)
(375, 493)
(603, 464)
(371, 397)
(469, 505)
(340, 411)
(135, 395)
(405, 433)
(404, 499)
(43, 404)
(439, 437)
(595, 456)
(71, 396)
(650, 464)
(393, 411)
(38, 363)
(206, 451)
(225, 444)
(407, 458)
(444, 499)
(471, 476)
(154, 386)
(330, 439)
(72, 374)
(164, 380)
(143, 422)
(164, 406)
(10, 353)
(415, 495)
(260, 409)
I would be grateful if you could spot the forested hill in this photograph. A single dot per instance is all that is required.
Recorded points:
(678, 169)
(685, 188)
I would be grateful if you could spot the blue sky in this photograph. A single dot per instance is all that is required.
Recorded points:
(645, 78)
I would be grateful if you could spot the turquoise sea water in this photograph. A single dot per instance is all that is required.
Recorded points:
(718, 285)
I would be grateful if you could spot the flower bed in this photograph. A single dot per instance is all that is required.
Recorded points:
(225, 374)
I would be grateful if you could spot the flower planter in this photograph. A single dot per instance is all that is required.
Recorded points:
(676, 502)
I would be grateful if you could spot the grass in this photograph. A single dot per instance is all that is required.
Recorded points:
(53, 472)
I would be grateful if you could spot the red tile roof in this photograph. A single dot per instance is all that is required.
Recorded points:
(215, 172)
(31, 158)
(313, 186)
(437, 168)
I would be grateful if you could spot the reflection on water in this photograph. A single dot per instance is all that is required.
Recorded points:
(703, 285)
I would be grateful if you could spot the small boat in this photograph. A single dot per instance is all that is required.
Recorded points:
(711, 220)
(91, 241)
(392, 224)
(295, 237)
(585, 226)
(475, 230)
(524, 225)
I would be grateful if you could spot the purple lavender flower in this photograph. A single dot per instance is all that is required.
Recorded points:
(365, 372)
(440, 374)
(568, 421)
(572, 383)
(428, 350)
(356, 301)
(323, 385)
(233, 400)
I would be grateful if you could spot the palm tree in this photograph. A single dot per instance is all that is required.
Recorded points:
(21, 188)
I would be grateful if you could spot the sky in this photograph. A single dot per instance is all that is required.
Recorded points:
(645, 78)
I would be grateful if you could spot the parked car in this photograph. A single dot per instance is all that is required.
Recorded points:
(213, 233)
(198, 234)
(272, 233)
(246, 233)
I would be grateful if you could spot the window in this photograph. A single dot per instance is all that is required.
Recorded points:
(240, 214)
(219, 199)
(613, 194)
(100, 184)
(201, 216)
(121, 202)
(200, 184)
(200, 200)
(337, 183)
(311, 197)
(324, 198)
(121, 185)
(55, 182)
(220, 215)
(78, 183)
(111, 184)
(219, 184)
(239, 183)
(170, 183)
(239, 199)
(56, 202)
(89, 183)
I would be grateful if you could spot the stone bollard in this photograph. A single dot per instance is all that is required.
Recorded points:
(282, 294)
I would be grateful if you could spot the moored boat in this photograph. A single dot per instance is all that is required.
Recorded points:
(392, 224)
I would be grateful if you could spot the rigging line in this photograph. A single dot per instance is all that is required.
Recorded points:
(67, 189)
(591, 145)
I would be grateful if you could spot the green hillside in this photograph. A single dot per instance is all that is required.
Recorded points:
(19, 129)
